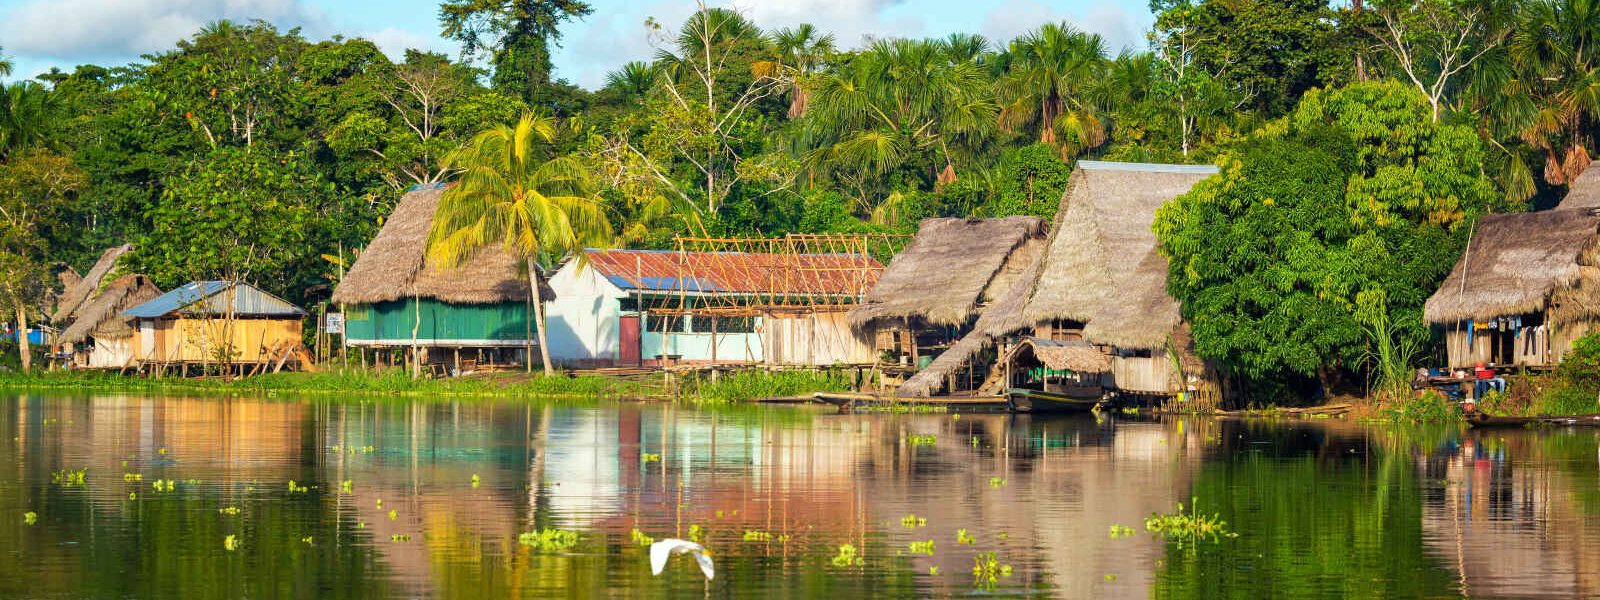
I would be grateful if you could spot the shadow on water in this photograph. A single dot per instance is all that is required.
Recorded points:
(1321, 508)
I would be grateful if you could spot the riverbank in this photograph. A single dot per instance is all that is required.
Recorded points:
(733, 387)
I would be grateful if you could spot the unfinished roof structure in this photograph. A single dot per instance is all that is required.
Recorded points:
(396, 265)
(951, 267)
(764, 279)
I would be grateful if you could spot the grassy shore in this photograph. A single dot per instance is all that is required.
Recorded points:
(734, 387)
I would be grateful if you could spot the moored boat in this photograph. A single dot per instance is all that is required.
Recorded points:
(1037, 401)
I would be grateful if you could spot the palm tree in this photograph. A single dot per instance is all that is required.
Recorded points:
(801, 51)
(633, 80)
(1553, 98)
(26, 111)
(512, 192)
(899, 103)
(1051, 71)
(5, 65)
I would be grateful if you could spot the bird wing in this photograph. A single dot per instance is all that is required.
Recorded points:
(705, 564)
(659, 553)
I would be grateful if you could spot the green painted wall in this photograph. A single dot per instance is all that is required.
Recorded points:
(440, 322)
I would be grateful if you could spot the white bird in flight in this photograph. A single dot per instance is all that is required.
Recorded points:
(664, 549)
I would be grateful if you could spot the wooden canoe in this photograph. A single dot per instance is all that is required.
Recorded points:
(1483, 420)
(1036, 401)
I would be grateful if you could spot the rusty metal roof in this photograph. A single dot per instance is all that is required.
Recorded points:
(741, 273)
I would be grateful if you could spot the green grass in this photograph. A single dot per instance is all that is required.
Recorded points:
(750, 385)
(391, 382)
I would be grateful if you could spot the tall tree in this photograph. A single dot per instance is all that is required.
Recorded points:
(27, 113)
(1046, 87)
(5, 64)
(516, 34)
(35, 187)
(802, 51)
(1432, 42)
(1550, 100)
(513, 192)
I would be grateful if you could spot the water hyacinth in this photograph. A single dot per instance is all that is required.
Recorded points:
(846, 557)
(549, 540)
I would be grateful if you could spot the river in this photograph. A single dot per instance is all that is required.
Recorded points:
(427, 498)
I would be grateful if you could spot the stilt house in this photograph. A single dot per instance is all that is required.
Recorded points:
(212, 322)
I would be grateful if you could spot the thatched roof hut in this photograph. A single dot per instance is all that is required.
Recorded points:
(1583, 191)
(948, 270)
(1101, 233)
(395, 265)
(1143, 314)
(102, 317)
(82, 289)
(1515, 263)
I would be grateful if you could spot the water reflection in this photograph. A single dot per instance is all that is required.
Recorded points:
(1321, 509)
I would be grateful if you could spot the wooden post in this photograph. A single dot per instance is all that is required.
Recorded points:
(458, 361)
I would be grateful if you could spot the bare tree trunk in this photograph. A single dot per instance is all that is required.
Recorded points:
(538, 316)
(22, 336)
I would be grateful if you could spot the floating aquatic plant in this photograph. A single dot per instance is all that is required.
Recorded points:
(399, 537)
(1188, 527)
(549, 540)
(918, 440)
(163, 485)
(230, 511)
(695, 533)
(997, 482)
(913, 521)
(650, 458)
(1110, 577)
(974, 441)
(962, 537)
(847, 557)
(933, 570)
(344, 486)
(132, 477)
(641, 539)
(69, 477)
(393, 515)
(162, 451)
(1119, 532)
(305, 540)
(133, 495)
(475, 481)
(296, 488)
(380, 503)
(30, 517)
(230, 542)
(921, 547)
(987, 571)
(757, 536)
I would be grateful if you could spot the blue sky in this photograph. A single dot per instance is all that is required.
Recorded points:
(39, 34)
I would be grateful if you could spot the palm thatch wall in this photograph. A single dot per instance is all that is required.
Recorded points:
(942, 275)
(396, 265)
(1514, 263)
(102, 316)
(1101, 233)
(73, 297)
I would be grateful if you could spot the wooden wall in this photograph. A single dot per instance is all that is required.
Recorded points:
(1145, 375)
(197, 340)
(1531, 347)
(821, 338)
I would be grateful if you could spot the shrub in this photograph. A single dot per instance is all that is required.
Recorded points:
(1581, 366)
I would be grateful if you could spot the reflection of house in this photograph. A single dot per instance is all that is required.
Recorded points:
(932, 291)
(1100, 278)
(102, 324)
(640, 307)
(395, 296)
(1527, 286)
(215, 321)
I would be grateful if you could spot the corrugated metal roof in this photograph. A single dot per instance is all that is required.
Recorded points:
(737, 272)
(205, 298)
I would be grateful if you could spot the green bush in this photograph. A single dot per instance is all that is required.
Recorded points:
(1568, 400)
(1427, 407)
(750, 385)
(1581, 366)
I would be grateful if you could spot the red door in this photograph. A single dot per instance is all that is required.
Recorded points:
(630, 340)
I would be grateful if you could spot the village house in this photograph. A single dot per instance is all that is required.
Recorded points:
(934, 289)
(395, 297)
(216, 322)
(646, 308)
(102, 325)
(1527, 286)
(1100, 263)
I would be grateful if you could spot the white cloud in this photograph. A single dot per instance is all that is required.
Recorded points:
(94, 29)
(1113, 22)
(394, 42)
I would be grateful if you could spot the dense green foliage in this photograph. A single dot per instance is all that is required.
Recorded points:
(1355, 196)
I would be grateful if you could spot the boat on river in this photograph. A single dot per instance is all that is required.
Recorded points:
(1024, 400)
(1483, 420)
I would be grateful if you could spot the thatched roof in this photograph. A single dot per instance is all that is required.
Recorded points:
(1142, 315)
(1004, 317)
(395, 264)
(1101, 232)
(1583, 191)
(1514, 263)
(1081, 357)
(931, 380)
(941, 276)
(102, 317)
(83, 290)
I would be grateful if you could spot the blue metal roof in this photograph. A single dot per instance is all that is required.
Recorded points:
(204, 298)
(666, 284)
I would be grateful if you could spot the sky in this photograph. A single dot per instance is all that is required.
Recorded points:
(40, 34)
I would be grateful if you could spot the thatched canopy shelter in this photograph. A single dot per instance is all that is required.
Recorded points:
(102, 317)
(82, 289)
(1515, 263)
(395, 265)
(1143, 314)
(1080, 357)
(1101, 233)
(942, 277)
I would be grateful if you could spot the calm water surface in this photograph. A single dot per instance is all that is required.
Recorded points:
(1320, 510)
